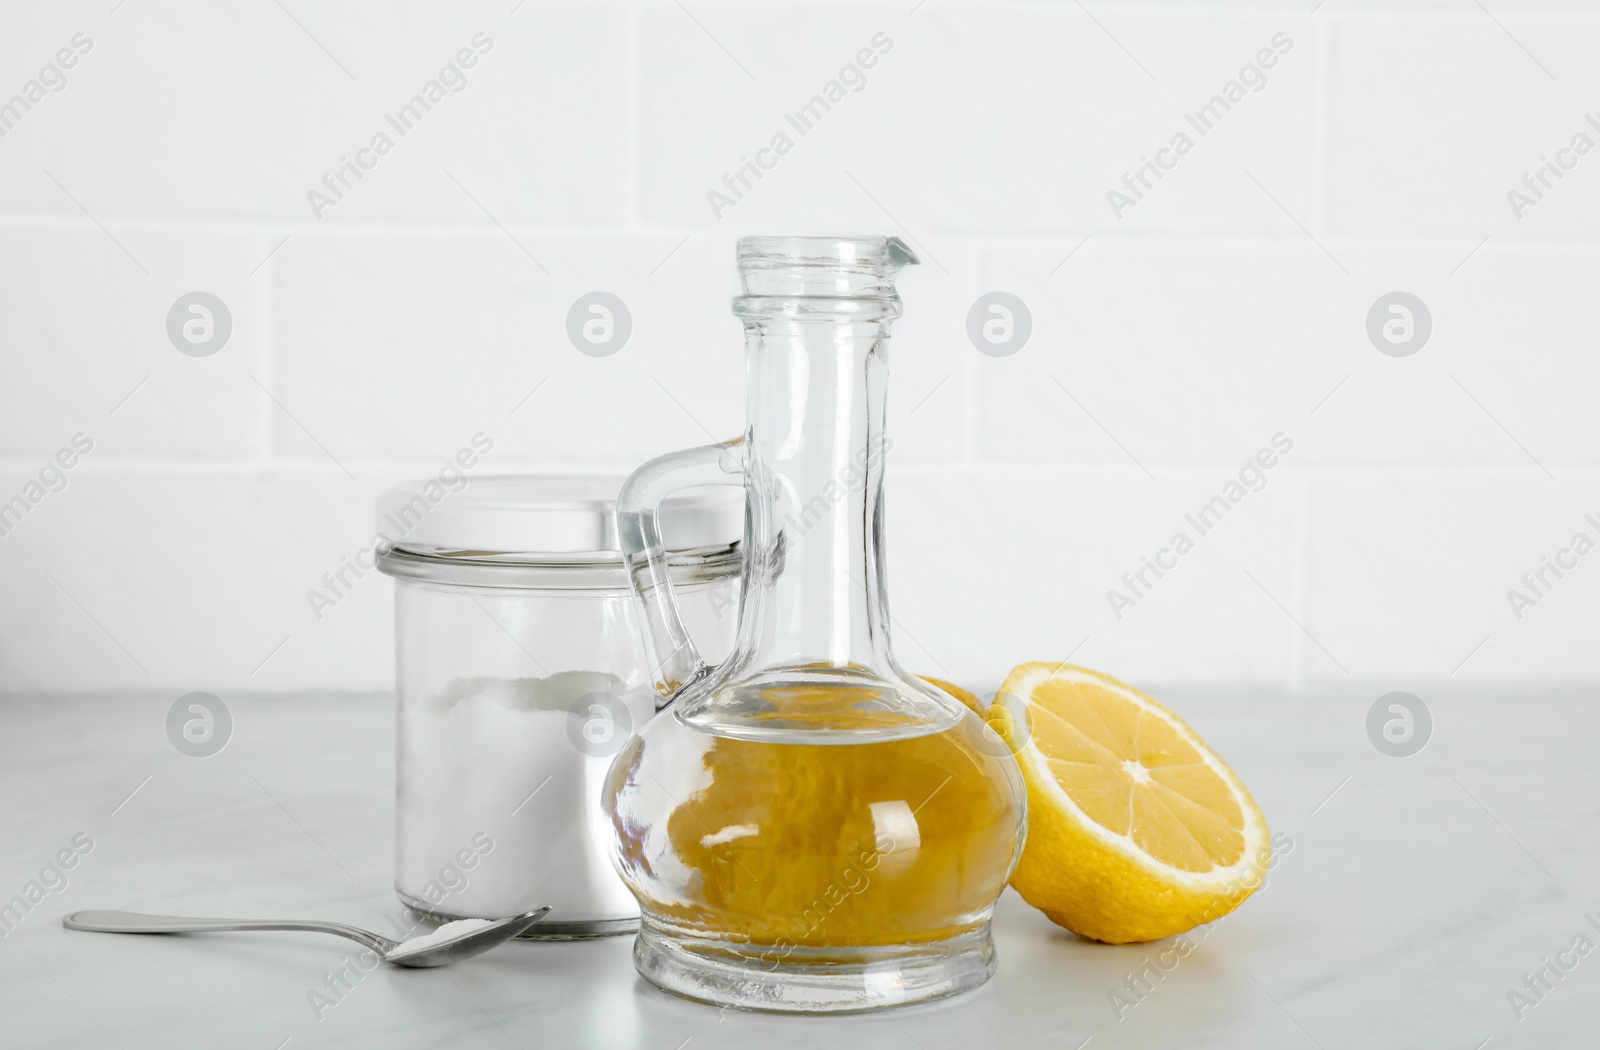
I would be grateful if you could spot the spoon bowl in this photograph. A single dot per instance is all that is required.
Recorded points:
(466, 944)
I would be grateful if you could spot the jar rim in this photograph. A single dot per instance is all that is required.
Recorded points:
(570, 513)
(587, 570)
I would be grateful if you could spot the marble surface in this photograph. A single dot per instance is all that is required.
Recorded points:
(1414, 895)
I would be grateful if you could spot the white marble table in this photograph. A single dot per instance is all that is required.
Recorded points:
(1412, 901)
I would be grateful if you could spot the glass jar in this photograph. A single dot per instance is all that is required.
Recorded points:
(520, 672)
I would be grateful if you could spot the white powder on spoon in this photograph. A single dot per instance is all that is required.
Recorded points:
(448, 932)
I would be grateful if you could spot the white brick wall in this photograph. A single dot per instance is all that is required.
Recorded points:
(1170, 343)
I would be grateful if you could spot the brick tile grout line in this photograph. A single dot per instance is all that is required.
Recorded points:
(633, 123)
(972, 399)
(1061, 241)
(266, 300)
(1299, 596)
(1321, 104)
(1586, 473)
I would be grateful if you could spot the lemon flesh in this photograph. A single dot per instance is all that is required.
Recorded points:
(1136, 829)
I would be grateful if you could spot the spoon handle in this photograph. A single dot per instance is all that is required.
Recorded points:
(134, 922)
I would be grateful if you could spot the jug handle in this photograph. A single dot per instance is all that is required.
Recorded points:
(673, 656)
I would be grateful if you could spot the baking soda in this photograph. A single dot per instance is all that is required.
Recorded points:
(515, 765)
(448, 932)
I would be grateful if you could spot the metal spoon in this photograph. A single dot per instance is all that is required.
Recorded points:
(465, 946)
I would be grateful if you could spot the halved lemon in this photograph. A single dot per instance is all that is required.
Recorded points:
(1136, 829)
(956, 691)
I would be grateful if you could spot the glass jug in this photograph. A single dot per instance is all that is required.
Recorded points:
(807, 827)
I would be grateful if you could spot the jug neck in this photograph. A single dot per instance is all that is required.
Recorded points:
(814, 614)
(815, 448)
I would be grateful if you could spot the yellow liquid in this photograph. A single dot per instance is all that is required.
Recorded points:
(815, 845)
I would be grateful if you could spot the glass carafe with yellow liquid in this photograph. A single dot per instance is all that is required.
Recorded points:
(807, 826)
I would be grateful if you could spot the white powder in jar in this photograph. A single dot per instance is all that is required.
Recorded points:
(499, 808)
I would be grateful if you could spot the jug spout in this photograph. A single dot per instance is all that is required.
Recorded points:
(901, 254)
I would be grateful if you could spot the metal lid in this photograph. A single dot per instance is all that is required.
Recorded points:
(546, 514)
